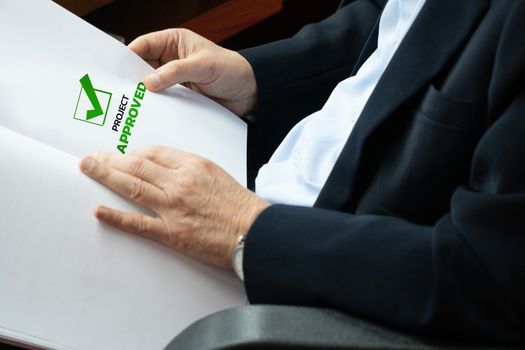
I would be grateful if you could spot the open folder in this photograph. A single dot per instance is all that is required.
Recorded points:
(67, 281)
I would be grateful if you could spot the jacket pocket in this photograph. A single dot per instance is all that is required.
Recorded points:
(444, 111)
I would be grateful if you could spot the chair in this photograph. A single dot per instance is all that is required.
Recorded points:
(291, 327)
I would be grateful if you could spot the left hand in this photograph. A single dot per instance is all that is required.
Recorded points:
(199, 209)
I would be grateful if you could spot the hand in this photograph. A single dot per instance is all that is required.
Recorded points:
(199, 209)
(181, 56)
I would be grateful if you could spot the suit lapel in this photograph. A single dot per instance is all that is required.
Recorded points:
(368, 49)
(440, 29)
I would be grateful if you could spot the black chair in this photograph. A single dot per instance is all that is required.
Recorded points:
(290, 327)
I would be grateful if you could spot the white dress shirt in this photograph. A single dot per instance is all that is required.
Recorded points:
(301, 164)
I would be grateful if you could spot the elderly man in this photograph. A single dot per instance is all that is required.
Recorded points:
(398, 191)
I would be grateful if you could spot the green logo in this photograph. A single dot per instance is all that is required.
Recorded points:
(93, 104)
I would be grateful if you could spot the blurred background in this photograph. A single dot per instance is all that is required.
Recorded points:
(234, 24)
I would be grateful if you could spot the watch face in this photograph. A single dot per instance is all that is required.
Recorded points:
(237, 262)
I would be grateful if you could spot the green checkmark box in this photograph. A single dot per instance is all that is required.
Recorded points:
(93, 104)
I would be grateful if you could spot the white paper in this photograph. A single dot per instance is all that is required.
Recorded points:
(66, 281)
(46, 50)
(69, 280)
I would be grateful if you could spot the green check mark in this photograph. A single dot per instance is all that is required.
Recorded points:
(91, 94)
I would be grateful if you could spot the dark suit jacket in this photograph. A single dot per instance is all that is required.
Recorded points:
(421, 224)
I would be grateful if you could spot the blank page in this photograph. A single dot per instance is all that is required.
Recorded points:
(67, 280)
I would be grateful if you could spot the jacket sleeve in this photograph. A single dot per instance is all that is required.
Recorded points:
(463, 277)
(295, 76)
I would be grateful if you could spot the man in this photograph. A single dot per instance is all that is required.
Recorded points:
(405, 191)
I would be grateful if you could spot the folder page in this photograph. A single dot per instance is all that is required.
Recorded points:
(68, 280)
(67, 84)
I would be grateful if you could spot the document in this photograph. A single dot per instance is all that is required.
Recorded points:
(66, 280)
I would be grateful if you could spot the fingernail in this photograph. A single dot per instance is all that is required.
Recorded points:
(153, 80)
(87, 164)
(101, 213)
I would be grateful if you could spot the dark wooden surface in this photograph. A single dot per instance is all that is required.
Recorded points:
(233, 23)
(82, 7)
(132, 18)
(232, 17)
(294, 15)
(214, 19)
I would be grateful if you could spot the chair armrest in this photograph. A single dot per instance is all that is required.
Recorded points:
(290, 327)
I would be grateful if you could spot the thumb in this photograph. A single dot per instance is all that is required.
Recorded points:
(177, 71)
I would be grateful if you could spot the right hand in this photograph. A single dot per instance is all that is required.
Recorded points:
(182, 56)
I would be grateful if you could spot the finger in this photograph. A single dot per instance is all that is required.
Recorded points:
(139, 224)
(154, 63)
(136, 166)
(193, 70)
(131, 187)
(157, 45)
(167, 157)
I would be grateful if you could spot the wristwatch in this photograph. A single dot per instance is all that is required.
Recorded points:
(237, 255)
